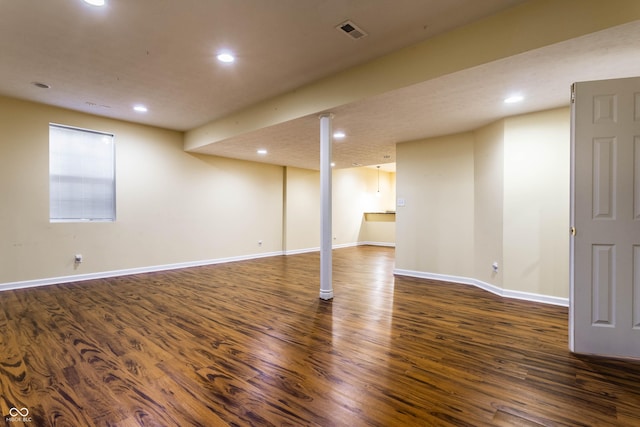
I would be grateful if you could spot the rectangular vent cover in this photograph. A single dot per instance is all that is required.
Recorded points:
(352, 30)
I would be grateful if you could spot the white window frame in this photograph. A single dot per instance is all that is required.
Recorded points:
(82, 175)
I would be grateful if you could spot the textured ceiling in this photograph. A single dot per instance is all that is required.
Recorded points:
(457, 102)
(162, 53)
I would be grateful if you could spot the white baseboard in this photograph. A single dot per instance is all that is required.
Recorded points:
(506, 293)
(165, 267)
(301, 251)
(346, 245)
(385, 244)
(342, 245)
(129, 271)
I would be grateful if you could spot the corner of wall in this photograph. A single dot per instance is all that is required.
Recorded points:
(488, 203)
(517, 218)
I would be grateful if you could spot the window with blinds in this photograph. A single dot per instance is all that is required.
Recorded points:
(81, 175)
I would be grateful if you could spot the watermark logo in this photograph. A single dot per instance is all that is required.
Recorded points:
(18, 416)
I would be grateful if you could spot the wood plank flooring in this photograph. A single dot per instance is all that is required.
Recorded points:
(250, 344)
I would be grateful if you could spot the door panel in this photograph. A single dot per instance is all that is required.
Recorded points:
(636, 286)
(604, 178)
(636, 173)
(603, 261)
(605, 214)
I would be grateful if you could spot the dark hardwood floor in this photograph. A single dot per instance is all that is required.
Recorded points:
(250, 343)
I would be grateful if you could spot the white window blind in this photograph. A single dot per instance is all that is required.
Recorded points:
(81, 175)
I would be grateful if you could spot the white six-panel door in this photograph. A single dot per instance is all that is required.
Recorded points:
(605, 216)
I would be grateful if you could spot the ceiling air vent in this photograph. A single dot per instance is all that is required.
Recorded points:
(352, 30)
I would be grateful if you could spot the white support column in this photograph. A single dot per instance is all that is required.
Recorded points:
(326, 242)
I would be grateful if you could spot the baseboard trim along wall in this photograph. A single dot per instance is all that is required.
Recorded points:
(400, 272)
(385, 244)
(506, 293)
(340, 246)
(301, 251)
(140, 270)
(317, 249)
(129, 271)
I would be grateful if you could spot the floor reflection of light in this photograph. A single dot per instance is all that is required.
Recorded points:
(359, 331)
(343, 339)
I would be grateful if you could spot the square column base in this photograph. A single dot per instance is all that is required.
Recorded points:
(326, 295)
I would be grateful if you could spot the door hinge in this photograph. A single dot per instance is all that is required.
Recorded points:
(573, 93)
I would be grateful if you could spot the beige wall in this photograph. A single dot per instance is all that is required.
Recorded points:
(378, 229)
(499, 194)
(489, 194)
(354, 193)
(172, 207)
(434, 230)
(536, 202)
(302, 210)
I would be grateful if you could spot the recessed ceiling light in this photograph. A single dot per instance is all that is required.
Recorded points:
(339, 134)
(226, 57)
(95, 2)
(140, 108)
(514, 99)
(262, 151)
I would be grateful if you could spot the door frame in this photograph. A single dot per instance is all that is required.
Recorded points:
(572, 218)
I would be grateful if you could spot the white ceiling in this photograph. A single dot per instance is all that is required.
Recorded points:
(162, 53)
(458, 102)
